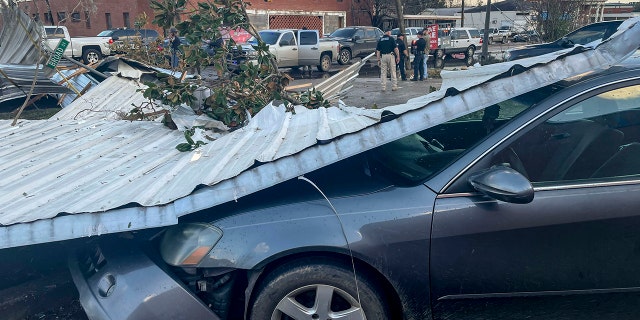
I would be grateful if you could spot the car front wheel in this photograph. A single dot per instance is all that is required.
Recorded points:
(317, 289)
(345, 56)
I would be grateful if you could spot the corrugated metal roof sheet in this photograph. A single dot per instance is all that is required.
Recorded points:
(66, 179)
(111, 99)
(77, 80)
(16, 81)
(17, 30)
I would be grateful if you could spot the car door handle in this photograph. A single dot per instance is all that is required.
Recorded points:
(314, 48)
(295, 49)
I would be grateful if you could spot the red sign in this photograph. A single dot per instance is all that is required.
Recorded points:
(433, 36)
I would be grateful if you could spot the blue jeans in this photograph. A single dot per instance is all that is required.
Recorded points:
(424, 63)
(174, 59)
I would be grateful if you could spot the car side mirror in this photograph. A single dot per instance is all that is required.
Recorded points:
(356, 38)
(503, 183)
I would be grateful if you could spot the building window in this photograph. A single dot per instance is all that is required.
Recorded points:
(107, 17)
(48, 18)
(87, 20)
(125, 17)
(75, 17)
(62, 17)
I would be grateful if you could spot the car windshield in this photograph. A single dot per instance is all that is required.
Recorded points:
(417, 157)
(106, 33)
(269, 37)
(343, 33)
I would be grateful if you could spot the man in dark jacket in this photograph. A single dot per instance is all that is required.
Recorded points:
(418, 62)
(174, 44)
(388, 56)
(402, 48)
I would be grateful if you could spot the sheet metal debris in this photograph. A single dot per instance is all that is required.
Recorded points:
(18, 37)
(16, 81)
(67, 178)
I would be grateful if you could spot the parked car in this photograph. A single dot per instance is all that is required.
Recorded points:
(296, 48)
(527, 36)
(130, 35)
(500, 35)
(525, 209)
(411, 33)
(88, 49)
(356, 41)
(583, 35)
(457, 41)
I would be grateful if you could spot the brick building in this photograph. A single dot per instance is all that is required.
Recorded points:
(81, 21)
(322, 15)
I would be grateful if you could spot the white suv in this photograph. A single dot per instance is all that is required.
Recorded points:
(458, 40)
(411, 33)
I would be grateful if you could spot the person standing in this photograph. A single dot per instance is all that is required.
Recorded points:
(402, 48)
(418, 59)
(388, 56)
(174, 44)
(427, 39)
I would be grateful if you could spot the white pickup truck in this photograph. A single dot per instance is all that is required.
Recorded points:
(297, 48)
(89, 49)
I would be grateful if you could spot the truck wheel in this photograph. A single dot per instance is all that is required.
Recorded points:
(438, 63)
(325, 63)
(504, 39)
(90, 56)
(344, 57)
(316, 289)
(439, 54)
(490, 41)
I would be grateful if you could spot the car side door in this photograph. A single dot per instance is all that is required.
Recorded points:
(309, 48)
(287, 50)
(371, 40)
(571, 253)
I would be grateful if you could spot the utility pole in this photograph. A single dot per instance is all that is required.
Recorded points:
(485, 41)
(462, 16)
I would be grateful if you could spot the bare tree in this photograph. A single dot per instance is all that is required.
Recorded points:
(556, 18)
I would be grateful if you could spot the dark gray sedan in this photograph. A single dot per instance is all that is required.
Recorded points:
(528, 209)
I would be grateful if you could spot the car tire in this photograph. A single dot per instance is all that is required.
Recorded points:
(325, 63)
(90, 56)
(490, 41)
(504, 40)
(439, 54)
(438, 63)
(344, 56)
(299, 286)
(468, 60)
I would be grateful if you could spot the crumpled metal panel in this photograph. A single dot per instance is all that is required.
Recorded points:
(16, 81)
(92, 168)
(18, 37)
(111, 99)
(77, 82)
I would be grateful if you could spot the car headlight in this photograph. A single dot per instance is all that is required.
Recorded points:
(186, 244)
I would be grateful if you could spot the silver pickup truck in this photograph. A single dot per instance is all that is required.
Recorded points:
(297, 48)
(89, 49)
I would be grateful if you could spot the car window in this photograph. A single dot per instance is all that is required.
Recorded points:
(308, 38)
(105, 33)
(343, 33)
(474, 33)
(288, 39)
(371, 33)
(597, 138)
(359, 33)
(54, 32)
(462, 34)
(269, 37)
(379, 33)
(587, 34)
(418, 157)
